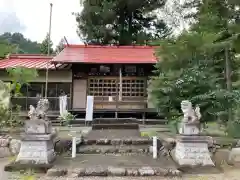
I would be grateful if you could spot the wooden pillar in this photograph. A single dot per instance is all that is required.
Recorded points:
(119, 91)
(120, 84)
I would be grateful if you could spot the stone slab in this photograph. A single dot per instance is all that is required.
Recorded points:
(115, 126)
(56, 172)
(132, 161)
(103, 149)
(146, 171)
(37, 137)
(95, 171)
(192, 154)
(112, 171)
(116, 171)
(109, 134)
(192, 139)
(234, 157)
(114, 120)
(37, 152)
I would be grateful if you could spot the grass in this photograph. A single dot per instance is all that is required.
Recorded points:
(148, 133)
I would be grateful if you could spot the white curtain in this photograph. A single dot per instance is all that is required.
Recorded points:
(63, 105)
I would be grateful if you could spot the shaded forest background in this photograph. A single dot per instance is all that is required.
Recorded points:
(16, 43)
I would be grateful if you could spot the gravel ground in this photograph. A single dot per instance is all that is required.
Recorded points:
(231, 174)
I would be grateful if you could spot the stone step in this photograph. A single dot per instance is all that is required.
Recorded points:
(81, 122)
(139, 141)
(112, 165)
(115, 126)
(110, 149)
(114, 120)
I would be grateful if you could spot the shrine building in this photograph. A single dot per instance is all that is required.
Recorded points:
(117, 77)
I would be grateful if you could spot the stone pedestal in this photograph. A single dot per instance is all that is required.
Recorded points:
(234, 157)
(189, 129)
(37, 149)
(37, 143)
(192, 151)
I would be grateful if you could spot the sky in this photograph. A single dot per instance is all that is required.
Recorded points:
(31, 18)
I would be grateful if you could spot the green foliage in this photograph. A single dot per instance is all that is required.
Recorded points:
(121, 22)
(4, 116)
(28, 175)
(22, 75)
(17, 43)
(15, 120)
(66, 118)
(148, 134)
(192, 66)
(6, 48)
(233, 126)
(19, 77)
(4, 103)
(44, 45)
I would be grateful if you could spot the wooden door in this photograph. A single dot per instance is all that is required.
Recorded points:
(79, 93)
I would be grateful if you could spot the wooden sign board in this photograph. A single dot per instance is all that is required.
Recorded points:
(89, 108)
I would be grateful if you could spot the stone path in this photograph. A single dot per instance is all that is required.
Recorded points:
(113, 134)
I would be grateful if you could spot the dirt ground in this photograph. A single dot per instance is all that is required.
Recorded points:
(229, 175)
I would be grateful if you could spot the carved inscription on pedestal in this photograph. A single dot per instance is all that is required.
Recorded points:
(193, 154)
(40, 152)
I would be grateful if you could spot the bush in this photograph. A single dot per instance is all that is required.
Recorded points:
(66, 118)
(233, 129)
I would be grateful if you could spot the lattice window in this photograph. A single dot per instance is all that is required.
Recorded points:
(102, 87)
(107, 87)
(133, 87)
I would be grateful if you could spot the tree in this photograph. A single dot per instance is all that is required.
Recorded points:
(193, 65)
(19, 77)
(44, 45)
(123, 22)
(20, 44)
(4, 103)
(60, 46)
(174, 14)
(6, 48)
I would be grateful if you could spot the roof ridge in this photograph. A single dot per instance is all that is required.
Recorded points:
(110, 46)
(29, 56)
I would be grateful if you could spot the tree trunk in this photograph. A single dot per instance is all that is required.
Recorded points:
(228, 80)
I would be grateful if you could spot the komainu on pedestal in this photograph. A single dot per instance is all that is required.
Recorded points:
(37, 140)
(191, 148)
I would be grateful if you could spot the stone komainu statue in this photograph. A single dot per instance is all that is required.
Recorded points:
(190, 116)
(39, 112)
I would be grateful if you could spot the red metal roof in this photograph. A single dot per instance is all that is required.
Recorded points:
(27, 60)
(106, 54)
